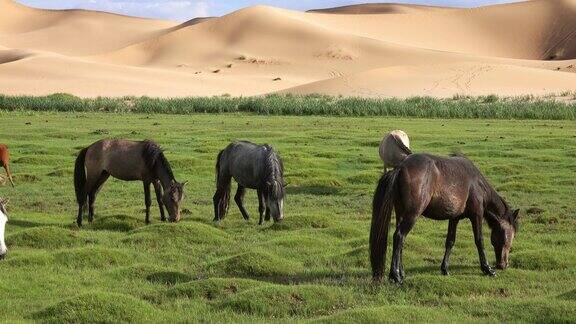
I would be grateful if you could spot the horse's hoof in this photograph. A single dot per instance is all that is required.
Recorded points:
(444, 271)
(395, 278)
(489, 271)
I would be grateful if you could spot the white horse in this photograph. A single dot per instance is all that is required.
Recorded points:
(394, 148)
(3, 220)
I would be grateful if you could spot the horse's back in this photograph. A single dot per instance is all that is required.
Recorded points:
(446, 182)
(243, 161)
(120, 158)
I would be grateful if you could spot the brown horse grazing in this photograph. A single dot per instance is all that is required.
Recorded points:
(442, 189)
(4, 161)
(129, 161)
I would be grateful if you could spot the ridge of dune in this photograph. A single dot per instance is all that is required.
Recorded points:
(72, 32)
(376, 8)
(537, 30)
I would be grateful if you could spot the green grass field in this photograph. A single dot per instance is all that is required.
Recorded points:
(313, 266)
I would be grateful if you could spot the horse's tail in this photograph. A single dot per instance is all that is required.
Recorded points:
(222, 195)
(80, 178)
(382, 205)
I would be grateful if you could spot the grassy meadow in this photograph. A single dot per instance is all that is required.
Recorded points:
(313, 266)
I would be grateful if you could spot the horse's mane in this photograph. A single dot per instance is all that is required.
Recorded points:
(401, 145)
(273, 172)
(153, 155)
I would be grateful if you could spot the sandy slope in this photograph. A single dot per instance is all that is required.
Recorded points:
(366, 50)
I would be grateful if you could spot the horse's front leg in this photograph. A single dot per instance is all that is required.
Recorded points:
(261, 206)
(478, 239)
(147, 200)
(158, 190)
(450, 240)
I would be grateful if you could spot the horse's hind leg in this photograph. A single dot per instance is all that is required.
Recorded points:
(147, 200)
(95, 183)
(239, 199)
(450, 240)
(81, 205)
(158, 190)
(404, 226)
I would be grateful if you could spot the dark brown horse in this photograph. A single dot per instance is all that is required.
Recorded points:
(442, 189)
(5, 161)
(129, 161)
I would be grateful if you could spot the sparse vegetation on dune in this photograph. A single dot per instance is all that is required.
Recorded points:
(492, 106)
(314, 265)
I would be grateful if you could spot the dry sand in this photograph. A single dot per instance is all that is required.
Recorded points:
(376, 50)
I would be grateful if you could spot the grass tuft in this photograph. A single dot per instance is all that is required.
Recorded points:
(48, 237)
(98, 307)
(284, 301)
(256, 264)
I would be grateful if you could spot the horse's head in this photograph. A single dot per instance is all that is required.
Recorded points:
(3, 220)
(172, 199)
(503, 235)
(275, 199)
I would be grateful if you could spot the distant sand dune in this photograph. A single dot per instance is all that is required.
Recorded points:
(370, 50)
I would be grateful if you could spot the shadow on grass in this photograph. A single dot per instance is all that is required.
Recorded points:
(169, 278)
(29, 224)
(453, 270)
(313, 190)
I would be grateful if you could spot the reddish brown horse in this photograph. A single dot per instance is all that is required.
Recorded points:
(442, 189)
(4, 161)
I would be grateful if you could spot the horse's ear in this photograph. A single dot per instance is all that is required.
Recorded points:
(184, 183)
(515, 214)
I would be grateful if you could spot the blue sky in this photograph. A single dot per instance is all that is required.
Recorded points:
(185, 9)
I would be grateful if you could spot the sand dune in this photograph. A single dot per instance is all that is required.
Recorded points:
(72, 32)
(363, 50)
(444, 81)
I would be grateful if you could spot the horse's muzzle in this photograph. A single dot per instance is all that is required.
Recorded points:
(2, 256)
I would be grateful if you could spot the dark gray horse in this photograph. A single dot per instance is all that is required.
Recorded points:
(442, 189)
(252, 166)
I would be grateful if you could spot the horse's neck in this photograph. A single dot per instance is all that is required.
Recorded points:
(165, 177)
(496, 203)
